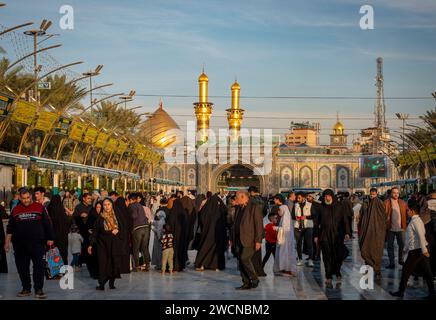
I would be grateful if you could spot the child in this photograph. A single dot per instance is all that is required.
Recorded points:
(417, 252)
(75, 241)
(167, 249)
(158, 223)
(270, 238)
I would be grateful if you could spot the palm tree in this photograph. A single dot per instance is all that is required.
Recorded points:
(421, 139)
(63, 95)
(14, 78)
(113, 118)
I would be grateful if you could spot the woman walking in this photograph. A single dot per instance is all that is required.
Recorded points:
(106, 237)
(61, 221)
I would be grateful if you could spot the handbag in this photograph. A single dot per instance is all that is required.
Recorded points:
(54, 262)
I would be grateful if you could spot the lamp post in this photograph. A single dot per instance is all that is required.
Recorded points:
(403, 117)
(16, 27)
(91, 74)
(35, 33)
(127, 98)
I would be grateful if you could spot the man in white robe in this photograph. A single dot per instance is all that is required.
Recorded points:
(286, 255)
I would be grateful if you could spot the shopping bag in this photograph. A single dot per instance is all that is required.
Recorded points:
(54, 262)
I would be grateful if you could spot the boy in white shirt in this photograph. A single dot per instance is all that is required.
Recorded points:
(417, 252)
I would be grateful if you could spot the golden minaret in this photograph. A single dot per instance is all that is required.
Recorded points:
(235, 113)
(203, 108)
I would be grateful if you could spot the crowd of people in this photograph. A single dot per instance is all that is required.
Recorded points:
(111, 234)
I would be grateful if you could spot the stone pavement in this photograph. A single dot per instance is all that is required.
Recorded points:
(193, 285)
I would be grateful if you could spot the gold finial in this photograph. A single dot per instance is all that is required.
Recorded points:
(203, 108)
(235, 113)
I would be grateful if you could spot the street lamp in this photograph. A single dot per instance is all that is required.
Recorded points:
(16, 27)
(127, 98)
(403, 117)
(90, 74)
(35, 33)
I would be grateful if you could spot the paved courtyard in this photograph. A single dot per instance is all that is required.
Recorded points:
(192, 285)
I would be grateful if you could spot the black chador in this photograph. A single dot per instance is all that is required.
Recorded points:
(126, 221)
(178, 220)
(86, 225)
(61, 225)
(212, 245)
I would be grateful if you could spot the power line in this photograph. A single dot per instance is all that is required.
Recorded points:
(281, 128)
(280, 97)
(291, 118)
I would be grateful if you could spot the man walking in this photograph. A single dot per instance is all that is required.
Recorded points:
(372, 232)
(30, 230)
(303, 214)
(396, 211)
(141, 234)
(247, 237)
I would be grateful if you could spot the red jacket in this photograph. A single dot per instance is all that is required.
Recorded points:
(270, 233)
(403, 212)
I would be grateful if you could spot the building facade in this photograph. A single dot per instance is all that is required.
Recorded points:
(299, 163)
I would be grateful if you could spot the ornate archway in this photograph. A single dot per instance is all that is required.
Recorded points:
(235, 175)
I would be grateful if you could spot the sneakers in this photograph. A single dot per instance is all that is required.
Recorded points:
(300, 263)
(310, 263)
(24, 293)
(39, 294)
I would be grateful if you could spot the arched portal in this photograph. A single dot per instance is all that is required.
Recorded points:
(234, 176)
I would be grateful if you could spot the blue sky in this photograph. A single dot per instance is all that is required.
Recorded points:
(275, 48)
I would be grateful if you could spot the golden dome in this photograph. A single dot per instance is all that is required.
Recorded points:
(236, 86)
(158, 128)
(203, 77)
(339, 126)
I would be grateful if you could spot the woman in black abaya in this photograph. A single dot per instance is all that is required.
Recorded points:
(61, 225)
(178, 220)
(106, 237)
(86, 226)
(126, 220)
(212, 245)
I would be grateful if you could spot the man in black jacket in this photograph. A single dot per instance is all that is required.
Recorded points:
(29, 229)
(247, 237)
